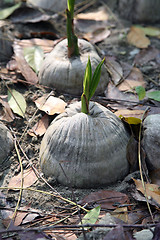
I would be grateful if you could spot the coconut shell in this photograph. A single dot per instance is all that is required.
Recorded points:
(85, 150)
(151, 140)
(6, 143)
(52, 5)
(67, 74)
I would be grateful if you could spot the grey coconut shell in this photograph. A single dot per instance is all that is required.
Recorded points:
(52, 5)
(6, 143)
(151, 140)
(67, 74)
(89, 149)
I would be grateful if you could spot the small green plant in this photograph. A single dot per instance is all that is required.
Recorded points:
(73, 49)
(89, 85)
(141, 92)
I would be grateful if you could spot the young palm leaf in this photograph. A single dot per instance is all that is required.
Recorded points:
(95, 79)
(87, 79)
(89, 85)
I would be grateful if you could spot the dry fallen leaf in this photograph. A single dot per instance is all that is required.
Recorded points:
(137, 37)
(45, 44)
(105, 198)
(134, 79)
(114, 93)
(23, 66)
(6, 114)
(30, 216)
(100, 15)
(20, 216)
(118, 233)
(29, 178)
(121, 213)
(98, 35)
(61, 235)
(146, 55)
(40, 127)
(129, 113)
(91, 21)
(152, 191)
(23, 216)
(115, 69)
(50, 105)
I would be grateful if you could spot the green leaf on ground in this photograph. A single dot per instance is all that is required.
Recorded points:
(141, 92)
(17, 102)
(155, 95)
(151, 31)
(91, 217)
(4, 13)
(34, 57)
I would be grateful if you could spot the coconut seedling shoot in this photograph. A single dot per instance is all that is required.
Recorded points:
(86, 145)
(64, 67)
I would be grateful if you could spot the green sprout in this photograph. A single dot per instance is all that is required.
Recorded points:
(89, 85)
(73, 49)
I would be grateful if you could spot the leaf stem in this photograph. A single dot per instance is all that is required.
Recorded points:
(73, 49)
(84, 104)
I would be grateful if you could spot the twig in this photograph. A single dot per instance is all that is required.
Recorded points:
(112, 14)
(151, 80)
(86, 4)
(140, 166)
(75, 227)
(79, 214)
(36, 171)
(51, 194)
(21, 188)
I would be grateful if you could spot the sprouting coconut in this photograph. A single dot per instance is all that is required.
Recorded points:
(86, 145)
(64, 67)
(52, 5)
(6, 141)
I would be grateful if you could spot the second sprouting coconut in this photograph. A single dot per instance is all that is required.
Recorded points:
(86, 145)
(64, 67)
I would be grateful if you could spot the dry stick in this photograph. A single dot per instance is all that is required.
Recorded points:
(21, 188)
(75, 227)
(5, 76)
(140, 166)
(151, 80)
(86, 4)
(74, 199)
(51, 215)
(51, 194)
(63, 219)
(112, 14)
(36, 171)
